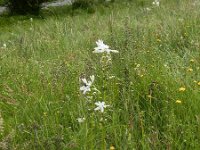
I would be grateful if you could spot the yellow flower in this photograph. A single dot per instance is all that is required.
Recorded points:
(182, 89)
(141, 75)
(191, 60)
(178, 101)
(158, 40)
(45, 114)
(190, 70)
(149, 96)
(198, 83)
(112, 148)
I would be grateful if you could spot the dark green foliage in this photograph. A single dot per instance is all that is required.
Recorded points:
(3, 2)
(83, 4)
(25, 6)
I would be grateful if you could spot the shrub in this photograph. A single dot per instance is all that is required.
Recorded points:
(83, 4)
(3, 2)
(25, 6)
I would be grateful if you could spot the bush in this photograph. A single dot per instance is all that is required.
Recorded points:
(25, 6)
(83, 4)
(2, 2)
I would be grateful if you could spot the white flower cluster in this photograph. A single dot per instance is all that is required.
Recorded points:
(156, 3)
(87, 84)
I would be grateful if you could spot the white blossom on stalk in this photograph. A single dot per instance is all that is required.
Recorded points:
(87, 84)
(100, 106)
(80, 120)
(101, 48)
(156, 3)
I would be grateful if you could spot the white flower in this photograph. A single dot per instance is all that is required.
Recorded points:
(4, 45)
(156, 3)
(111, 77)
(100, 106)
(87, 84)
(101, 48)
(31, 19)
(80, 120)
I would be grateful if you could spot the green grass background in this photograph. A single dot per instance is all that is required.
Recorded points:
(44, 60)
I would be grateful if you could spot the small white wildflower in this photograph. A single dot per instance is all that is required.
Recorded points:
(4, 45)
(87, 84)
(147, 9)
(111, 77)
(80, 120)
(100, 106)
(101, 48)
(31, 19)
(156, 3)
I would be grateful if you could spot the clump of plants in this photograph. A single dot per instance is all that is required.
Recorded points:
(87, 5)
(25, 6)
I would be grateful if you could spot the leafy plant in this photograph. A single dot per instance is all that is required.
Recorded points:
(25, 6)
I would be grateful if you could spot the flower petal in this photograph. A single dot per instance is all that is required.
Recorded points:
(84, 81)
(92, 78)
(82, 88)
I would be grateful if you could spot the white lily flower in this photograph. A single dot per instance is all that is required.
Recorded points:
(156, 3)
(80, 120)
(100, 106)
(101, 48)
(87, 84)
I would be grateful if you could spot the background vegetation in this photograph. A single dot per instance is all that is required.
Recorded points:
(153, 86)
(2, 2)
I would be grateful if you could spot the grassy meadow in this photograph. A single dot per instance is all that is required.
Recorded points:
(152, 86)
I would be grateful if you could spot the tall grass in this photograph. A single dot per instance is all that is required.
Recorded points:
(153, 89)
